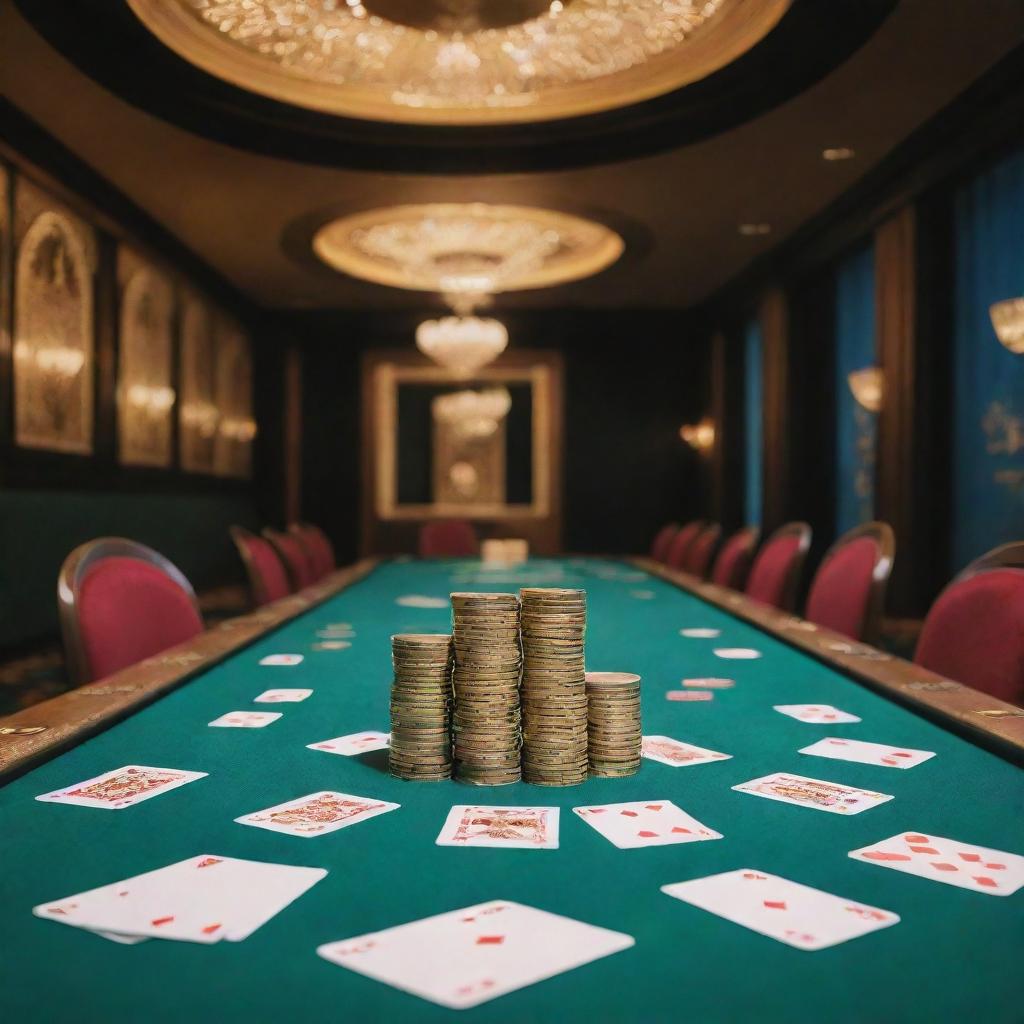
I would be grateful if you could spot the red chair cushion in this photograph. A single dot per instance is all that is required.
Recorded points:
(698, 558)
(841, 589)
(680, 546)
(449, 538)
(268, 569)
(320, 549)
(733, 561)
(767, 582)
(129, 610)
(974, 633)
(299, 565)
(662, 541)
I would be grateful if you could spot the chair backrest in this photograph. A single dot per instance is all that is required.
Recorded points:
(698, 557)
(268, 580)
(675, 557)
(848, 590)
(293, 555)
(448, 538)
(732, 566)
(120, 602)
(974, 632)
(319, 549)
(775, 575)
(662, 541)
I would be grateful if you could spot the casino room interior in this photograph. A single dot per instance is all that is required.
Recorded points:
(610, 410)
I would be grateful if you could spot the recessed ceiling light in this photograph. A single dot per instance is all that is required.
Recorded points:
(839, 153)
(755, 229)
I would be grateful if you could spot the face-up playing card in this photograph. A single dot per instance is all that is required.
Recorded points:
(642, 595)
(420, 601)
(700, 633)
(331, 645)
(354, 743)
(645, 823)
(341, 631)
(676, 753)
(317, 814)
(467, 957)
(689, 695)
(816, 714)
(945, 860)
(245, 719)
(281, 659)
(122, 787)
(868, 753)
(517, 828)
(798, 915)
(709, 684)
(817, 793)
(737, 653)
(203, 899)
(281, 696)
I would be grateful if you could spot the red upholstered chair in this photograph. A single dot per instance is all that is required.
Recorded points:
(120, 602)
(775, 575)
(974, 632)
(732, 566)
(662, 541)
(448, 538)
(268, 580)
(293, 555)
(319, 550)
(698, 557)
(675, 557)
(848, 590)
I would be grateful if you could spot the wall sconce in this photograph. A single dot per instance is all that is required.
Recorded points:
(1008, 321)
(699, 436)
(868, 386)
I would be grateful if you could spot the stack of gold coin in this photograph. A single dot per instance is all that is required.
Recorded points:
(613, 723)
(554, 695)
(421, 707)
(488, 662)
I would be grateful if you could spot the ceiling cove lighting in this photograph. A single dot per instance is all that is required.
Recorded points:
(462, 344)
(1008, 321)
(699, 436)
(868, 387)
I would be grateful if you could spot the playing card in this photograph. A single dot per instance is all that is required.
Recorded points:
(689, 695)
(281, 659)
(331, 645)
(645, 823)
(203, 899)
(245, 719)
(700, 633)
(467, 957)
(339, 632)
(868, 753)
(676, 753)
(317, 814)
(710, 684)
(817, 793)
(737, 653)
(642, 595)
(281, 696)
(354, 743)
(521, 828)
(419, 601)
(798, 915)
(122, 787)
(945, 860)
(816, 714)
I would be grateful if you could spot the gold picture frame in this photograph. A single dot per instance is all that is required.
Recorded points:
(198, 416)
(233, 398)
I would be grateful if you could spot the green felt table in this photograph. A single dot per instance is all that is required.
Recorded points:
(955, 954)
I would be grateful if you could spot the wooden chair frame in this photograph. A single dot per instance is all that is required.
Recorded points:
(751, 538)
(239, 534)
(791, 586)
(69, 584)
(1006, 556)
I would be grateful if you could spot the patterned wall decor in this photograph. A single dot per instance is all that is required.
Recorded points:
(236, 428)
(198, 417)
(145, 392)
(54, 337)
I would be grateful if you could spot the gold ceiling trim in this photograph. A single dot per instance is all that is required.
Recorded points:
(577, 57)
(467, 249)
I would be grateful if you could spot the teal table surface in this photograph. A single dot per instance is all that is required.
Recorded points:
(955, 955)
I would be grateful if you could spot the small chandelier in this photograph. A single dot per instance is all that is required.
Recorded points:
(699, 436)
(462, 344)
(1008, 321)
(473, 415)
(868, 387)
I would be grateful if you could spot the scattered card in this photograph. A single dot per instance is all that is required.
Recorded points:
(331, 645)
(281, 696)
(817, 793)
(281, 659)
(737, 653)
(676, 753)
(868, 753)
(710, 684)
(689, 695)
(317, 814)
(945, 860)
(245, 719)
(122, 787)
(467, 957)
(700, 633)
(419, 601)
(642, 595)
(795, 914)
(516, 828)
(816, 714)
(354, 743)
(339, 632)
(645, 823)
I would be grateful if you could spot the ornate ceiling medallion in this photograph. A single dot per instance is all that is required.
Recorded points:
(467, 251)
(460, 62)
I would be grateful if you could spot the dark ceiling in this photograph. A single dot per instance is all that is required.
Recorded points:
(247, 214)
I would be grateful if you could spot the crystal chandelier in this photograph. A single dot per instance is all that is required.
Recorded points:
(868, 387)
(462, 344)
(1008, 321)
(473, 415)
